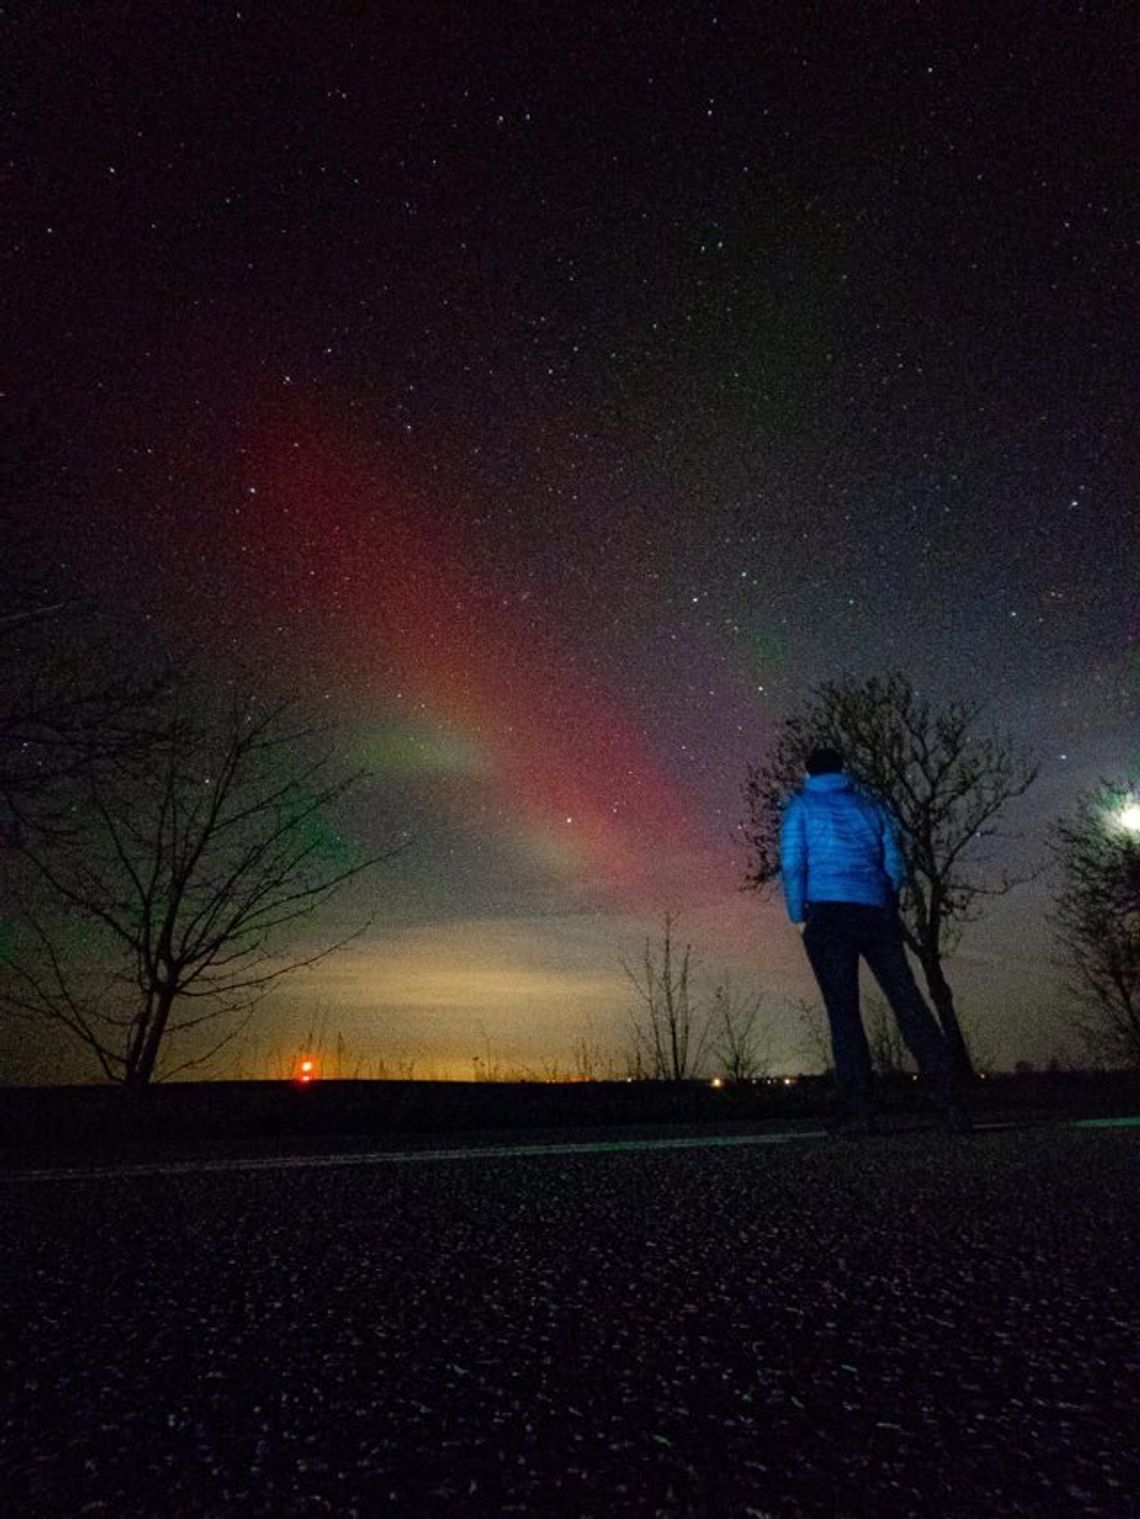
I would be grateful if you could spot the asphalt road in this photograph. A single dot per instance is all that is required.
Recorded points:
(914, 1325)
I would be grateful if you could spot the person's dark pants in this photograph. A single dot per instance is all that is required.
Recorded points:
(836, 936)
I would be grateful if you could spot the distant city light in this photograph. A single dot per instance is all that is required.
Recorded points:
(717, 1081)
(306, 1072)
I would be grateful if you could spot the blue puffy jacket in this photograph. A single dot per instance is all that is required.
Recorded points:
(837, 845)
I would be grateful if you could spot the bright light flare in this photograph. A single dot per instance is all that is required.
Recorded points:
(306, 1072)
(1129, 817)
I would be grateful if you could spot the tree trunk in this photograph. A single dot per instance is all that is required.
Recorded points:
(144, 1070)
(943, 999)
(136, 1046)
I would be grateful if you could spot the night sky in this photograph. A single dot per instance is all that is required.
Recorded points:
(552, 394)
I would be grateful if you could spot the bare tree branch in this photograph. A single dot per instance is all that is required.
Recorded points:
(742, 1037)
(668, 1029)
(191, 853)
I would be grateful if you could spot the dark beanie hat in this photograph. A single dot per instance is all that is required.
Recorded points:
(824, 762)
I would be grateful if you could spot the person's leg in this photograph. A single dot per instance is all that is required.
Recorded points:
(834, 956)
(883, 949)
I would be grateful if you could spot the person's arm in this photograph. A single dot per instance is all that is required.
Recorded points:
(793, 859)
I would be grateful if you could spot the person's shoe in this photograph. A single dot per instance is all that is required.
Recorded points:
(853, 1126)
(955, 1120)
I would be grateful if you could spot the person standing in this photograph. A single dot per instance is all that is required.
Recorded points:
(842, 870)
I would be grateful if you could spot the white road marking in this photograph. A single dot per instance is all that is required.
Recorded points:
(481, 1152)
(399, 1157)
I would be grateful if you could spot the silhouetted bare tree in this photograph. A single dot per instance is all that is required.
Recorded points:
(592, 1060)
(1097, 920)
(164, 904)
(740, 1035)
(942, 780)
(670, 1033)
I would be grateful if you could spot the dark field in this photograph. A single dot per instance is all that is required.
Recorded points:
(194, 1112)
(914, 1325)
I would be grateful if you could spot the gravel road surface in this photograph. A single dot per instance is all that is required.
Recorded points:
(914, 1325)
